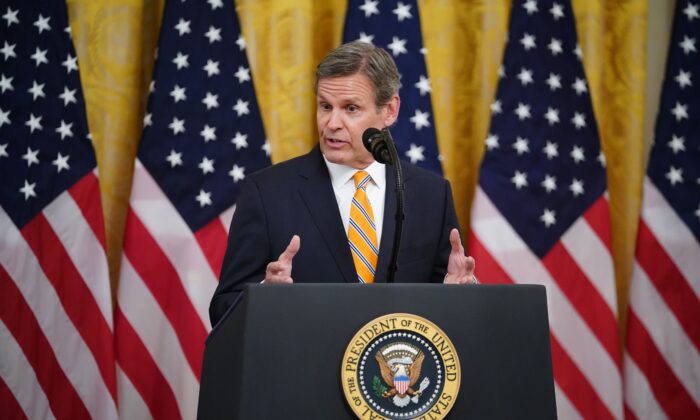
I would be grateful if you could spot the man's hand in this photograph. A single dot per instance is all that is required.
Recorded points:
(280, 271)
(460, 268)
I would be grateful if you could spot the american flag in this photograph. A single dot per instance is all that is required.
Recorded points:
(56, 340)
(540, 214)
(202, 134)
(662, 360)
(395, 26)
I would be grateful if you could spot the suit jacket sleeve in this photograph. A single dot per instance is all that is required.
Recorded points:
(247, 253)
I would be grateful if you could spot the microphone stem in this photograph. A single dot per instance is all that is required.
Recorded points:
(399, 216)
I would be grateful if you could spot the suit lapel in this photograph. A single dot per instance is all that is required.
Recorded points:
(317, 193)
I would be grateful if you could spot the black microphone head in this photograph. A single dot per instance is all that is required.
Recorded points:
(374, 141)
(368, 136)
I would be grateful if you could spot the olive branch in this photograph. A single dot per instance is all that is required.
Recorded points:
(378, 387)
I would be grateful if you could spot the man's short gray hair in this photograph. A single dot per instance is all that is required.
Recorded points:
(361, 57)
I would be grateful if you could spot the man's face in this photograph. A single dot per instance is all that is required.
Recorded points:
(345, 108)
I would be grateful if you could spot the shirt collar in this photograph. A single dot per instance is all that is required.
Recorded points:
(341, 174)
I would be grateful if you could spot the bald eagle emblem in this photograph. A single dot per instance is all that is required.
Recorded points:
(400, 365)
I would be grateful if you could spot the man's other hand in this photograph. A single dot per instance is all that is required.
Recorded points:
(460, 268)
(280, 271)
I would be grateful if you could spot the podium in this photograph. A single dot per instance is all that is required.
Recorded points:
(278, 352)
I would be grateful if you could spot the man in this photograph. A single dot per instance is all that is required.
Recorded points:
(328, 216)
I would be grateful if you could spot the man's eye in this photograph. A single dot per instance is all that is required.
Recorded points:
(352, 108)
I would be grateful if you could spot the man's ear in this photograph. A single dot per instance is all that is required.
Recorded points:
(391, 110)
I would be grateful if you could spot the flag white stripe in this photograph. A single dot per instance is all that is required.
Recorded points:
(638, 395)
(175, 239)
(19, 376)
(672, 233)
(73, 355)
(593, 258)
(143, 313)
(565, 410)
(81, 244)
(573, 333)
(131, 405)
(666, 332)
(226, 217)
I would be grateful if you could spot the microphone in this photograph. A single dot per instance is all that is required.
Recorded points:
(375, 142)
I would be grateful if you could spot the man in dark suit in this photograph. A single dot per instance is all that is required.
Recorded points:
(328, 216)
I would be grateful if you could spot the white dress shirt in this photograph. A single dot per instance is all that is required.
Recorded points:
(344, 189)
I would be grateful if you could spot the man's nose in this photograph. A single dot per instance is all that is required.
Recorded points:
(334, 120)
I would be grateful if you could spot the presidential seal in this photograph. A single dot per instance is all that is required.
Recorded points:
(400, 366)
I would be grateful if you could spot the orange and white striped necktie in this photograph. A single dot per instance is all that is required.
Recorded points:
(362, 232)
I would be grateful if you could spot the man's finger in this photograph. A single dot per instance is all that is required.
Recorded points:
(456, 242)
(291, 251)
(277, 267)
(277, 279)
(471, 264)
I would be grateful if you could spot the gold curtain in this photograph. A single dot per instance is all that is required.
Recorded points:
(612, 34)
(116, 40)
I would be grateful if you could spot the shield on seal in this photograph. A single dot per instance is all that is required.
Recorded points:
(401, 383)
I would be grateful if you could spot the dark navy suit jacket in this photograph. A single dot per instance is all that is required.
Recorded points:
(296, 197)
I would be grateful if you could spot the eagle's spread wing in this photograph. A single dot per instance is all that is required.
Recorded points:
(385, 370)
(415, 369)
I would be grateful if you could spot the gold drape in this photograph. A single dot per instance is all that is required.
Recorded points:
(285, 39)
(612, 34)
(115, 42)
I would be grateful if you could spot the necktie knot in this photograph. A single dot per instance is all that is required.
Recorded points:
(361, 179)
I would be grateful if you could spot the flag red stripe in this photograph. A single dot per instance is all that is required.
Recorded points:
(669, 391)
(629, 415)
(138, 365)
(486, 263)
(598, 218)
(585, 298)
(10, 408)
(566, 373)
(575, 385)
(86, 194)
(669, 282)
(161, 278)
(23, 325)
(77, 300)
(212, 239)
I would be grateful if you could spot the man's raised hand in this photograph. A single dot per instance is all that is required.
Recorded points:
(280, 271)
(460, 268)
